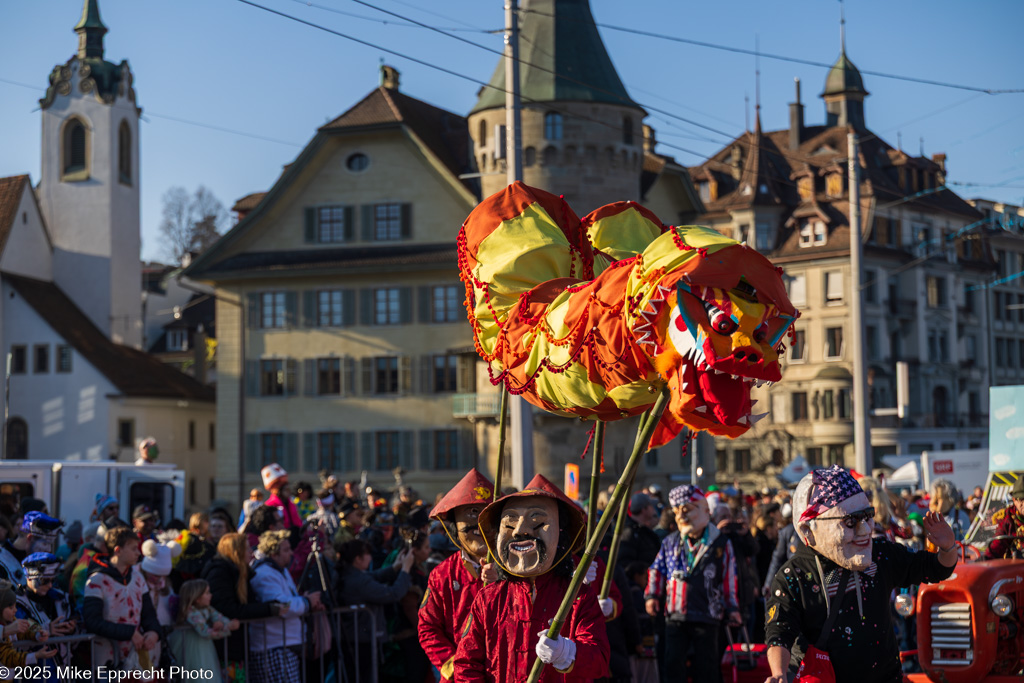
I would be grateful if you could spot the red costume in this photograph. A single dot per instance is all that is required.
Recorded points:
(499, 636)
(451, 588)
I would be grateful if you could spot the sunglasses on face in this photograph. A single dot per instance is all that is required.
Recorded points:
(851, 520)
(44, 582)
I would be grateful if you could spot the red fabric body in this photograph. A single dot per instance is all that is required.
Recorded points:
(451, 589)
(499, 639)
(816, 668)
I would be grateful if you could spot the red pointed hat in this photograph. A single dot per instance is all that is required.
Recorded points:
(472, 489)
(538, 486)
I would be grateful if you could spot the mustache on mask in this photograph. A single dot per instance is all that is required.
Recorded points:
(542, 548)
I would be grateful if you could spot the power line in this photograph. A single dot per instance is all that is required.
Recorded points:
(783, 58)
(375, 20)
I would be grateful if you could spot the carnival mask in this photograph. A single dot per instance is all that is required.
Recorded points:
(843, 533)
(468, 530)
(528, 535)
(692, 517)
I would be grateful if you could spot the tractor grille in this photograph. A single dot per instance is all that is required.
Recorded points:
(951, 634)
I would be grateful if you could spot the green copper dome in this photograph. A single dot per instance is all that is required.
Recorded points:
(562, 59)
(844, 77)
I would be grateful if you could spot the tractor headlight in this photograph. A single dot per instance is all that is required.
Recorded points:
(904, 604)
(1002, 605)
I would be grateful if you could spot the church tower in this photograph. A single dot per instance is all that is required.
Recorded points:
(89, 189)
(844, 90)
(582, 133)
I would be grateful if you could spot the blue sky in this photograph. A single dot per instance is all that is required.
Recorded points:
(224, 64)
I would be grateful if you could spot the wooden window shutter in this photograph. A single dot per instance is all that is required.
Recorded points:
(426, 375)
(367, 451)
(253, 310)
(424, 303)
(309, 459)
(405, 304)
(426, 450)
(367, 222)
(348, 365)
(466, 448)
(366, 306)
(291, 379)
(291, 309)
(252, 378)
(309, 376)
(366, 383)
(405, 375)
(310, 224)
(466, 377)
(309, 308)
(349, 220)
(252, 453)
(291, 451)
(348, 451)
(348, 307)
(406, 454)
(406, 221)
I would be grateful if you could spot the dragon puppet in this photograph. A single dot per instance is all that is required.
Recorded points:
(592, 317)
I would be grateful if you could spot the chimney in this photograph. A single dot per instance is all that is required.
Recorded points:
(940, 159)
(389, 77)
(796, 119)
(649, 139)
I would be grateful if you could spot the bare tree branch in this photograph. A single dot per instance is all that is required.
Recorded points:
(190, 223)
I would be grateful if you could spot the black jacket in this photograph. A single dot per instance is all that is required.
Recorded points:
(222, 575)
(638, 543)
(785, 547)
(862, 643)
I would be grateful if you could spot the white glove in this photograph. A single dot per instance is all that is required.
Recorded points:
(607, 606)
(559, 653)
(591, 576)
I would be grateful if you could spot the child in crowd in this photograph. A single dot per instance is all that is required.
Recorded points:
(23, 630)
(193, 647)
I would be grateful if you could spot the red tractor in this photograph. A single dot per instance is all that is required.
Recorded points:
(970, 627)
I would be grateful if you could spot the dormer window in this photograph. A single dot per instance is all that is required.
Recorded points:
(805, 187)
(813, 233)
(834, 185)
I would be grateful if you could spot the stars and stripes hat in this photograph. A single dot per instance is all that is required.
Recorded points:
(41, 566)
(831, 487)
(681, 495)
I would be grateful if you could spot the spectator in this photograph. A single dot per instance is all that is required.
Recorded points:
(25, 630)
(94, 545)
(107, 509)
(974, 501)
(193, 647)
(157, 559)
(1009, 538)
(230, 580)
(275, 481)
(45, 605)
(149, 451)
(944, 500)
(249, 506)
(324, 517)
(117, 607)
(666, 523)
(38, 535)
(196, 551)
(272, 641)
(303, 500)
(145, 521)
(357, 584)
(72, 541)
(414, 663)
(638, 541)
(350, 516)
(219, 525)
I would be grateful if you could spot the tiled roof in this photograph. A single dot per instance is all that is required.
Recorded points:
(419, 255)
(249, 201)
(445, 133)
(133, 372)
(11, 190)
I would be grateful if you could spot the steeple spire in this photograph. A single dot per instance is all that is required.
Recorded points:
(842, 28)
(90, 30)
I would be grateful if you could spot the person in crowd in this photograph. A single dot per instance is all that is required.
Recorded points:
(248, 507)
(156, 565)
(835, 591)
(25, 630)
(1009, 538)
(230, 579)
(94, 545)
(219, 525)
(785, 547)
(45, 605)
(973, 502)
(324, 517)
(145, 521)
(263, 519)
(275, 481)
(666, 524)
(117, 607)
(944, 501)
(454, 583)
(196, 550)
(193, 647)
(636, 573)
(533, 534)
(350, 492)
(38, 535)
(149, 451)
(694, 576)
(412, 663)
(6, 529)
(639, 542)
(303, 500)
(272, 642)
(350, 522)
(107, 509)
(767, 535)
(72, 541)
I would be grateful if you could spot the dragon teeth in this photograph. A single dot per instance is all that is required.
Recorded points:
(735, 376)
(701, 409)
(743, 420)
(754, 419)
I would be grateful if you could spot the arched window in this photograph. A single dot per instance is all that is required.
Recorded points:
(17, 439)
(550, 156)
(627, 130)
(482, 133)
(124, 153)
(529, 156)
(75, 147)
(552, 126)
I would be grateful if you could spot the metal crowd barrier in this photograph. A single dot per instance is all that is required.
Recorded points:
(347, 650)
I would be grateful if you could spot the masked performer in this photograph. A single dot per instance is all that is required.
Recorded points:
(532, 534)
(835, 590)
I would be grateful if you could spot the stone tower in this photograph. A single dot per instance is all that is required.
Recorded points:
(582, 133)
(844, 91)
(89, 189)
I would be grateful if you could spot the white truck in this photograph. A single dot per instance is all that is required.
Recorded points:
(69, 487)
(965, 468)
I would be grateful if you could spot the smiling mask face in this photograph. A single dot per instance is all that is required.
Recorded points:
(468, 530)
(528, 535)
(692, 517)
(849, 548)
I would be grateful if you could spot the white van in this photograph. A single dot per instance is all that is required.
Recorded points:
(69, 488)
